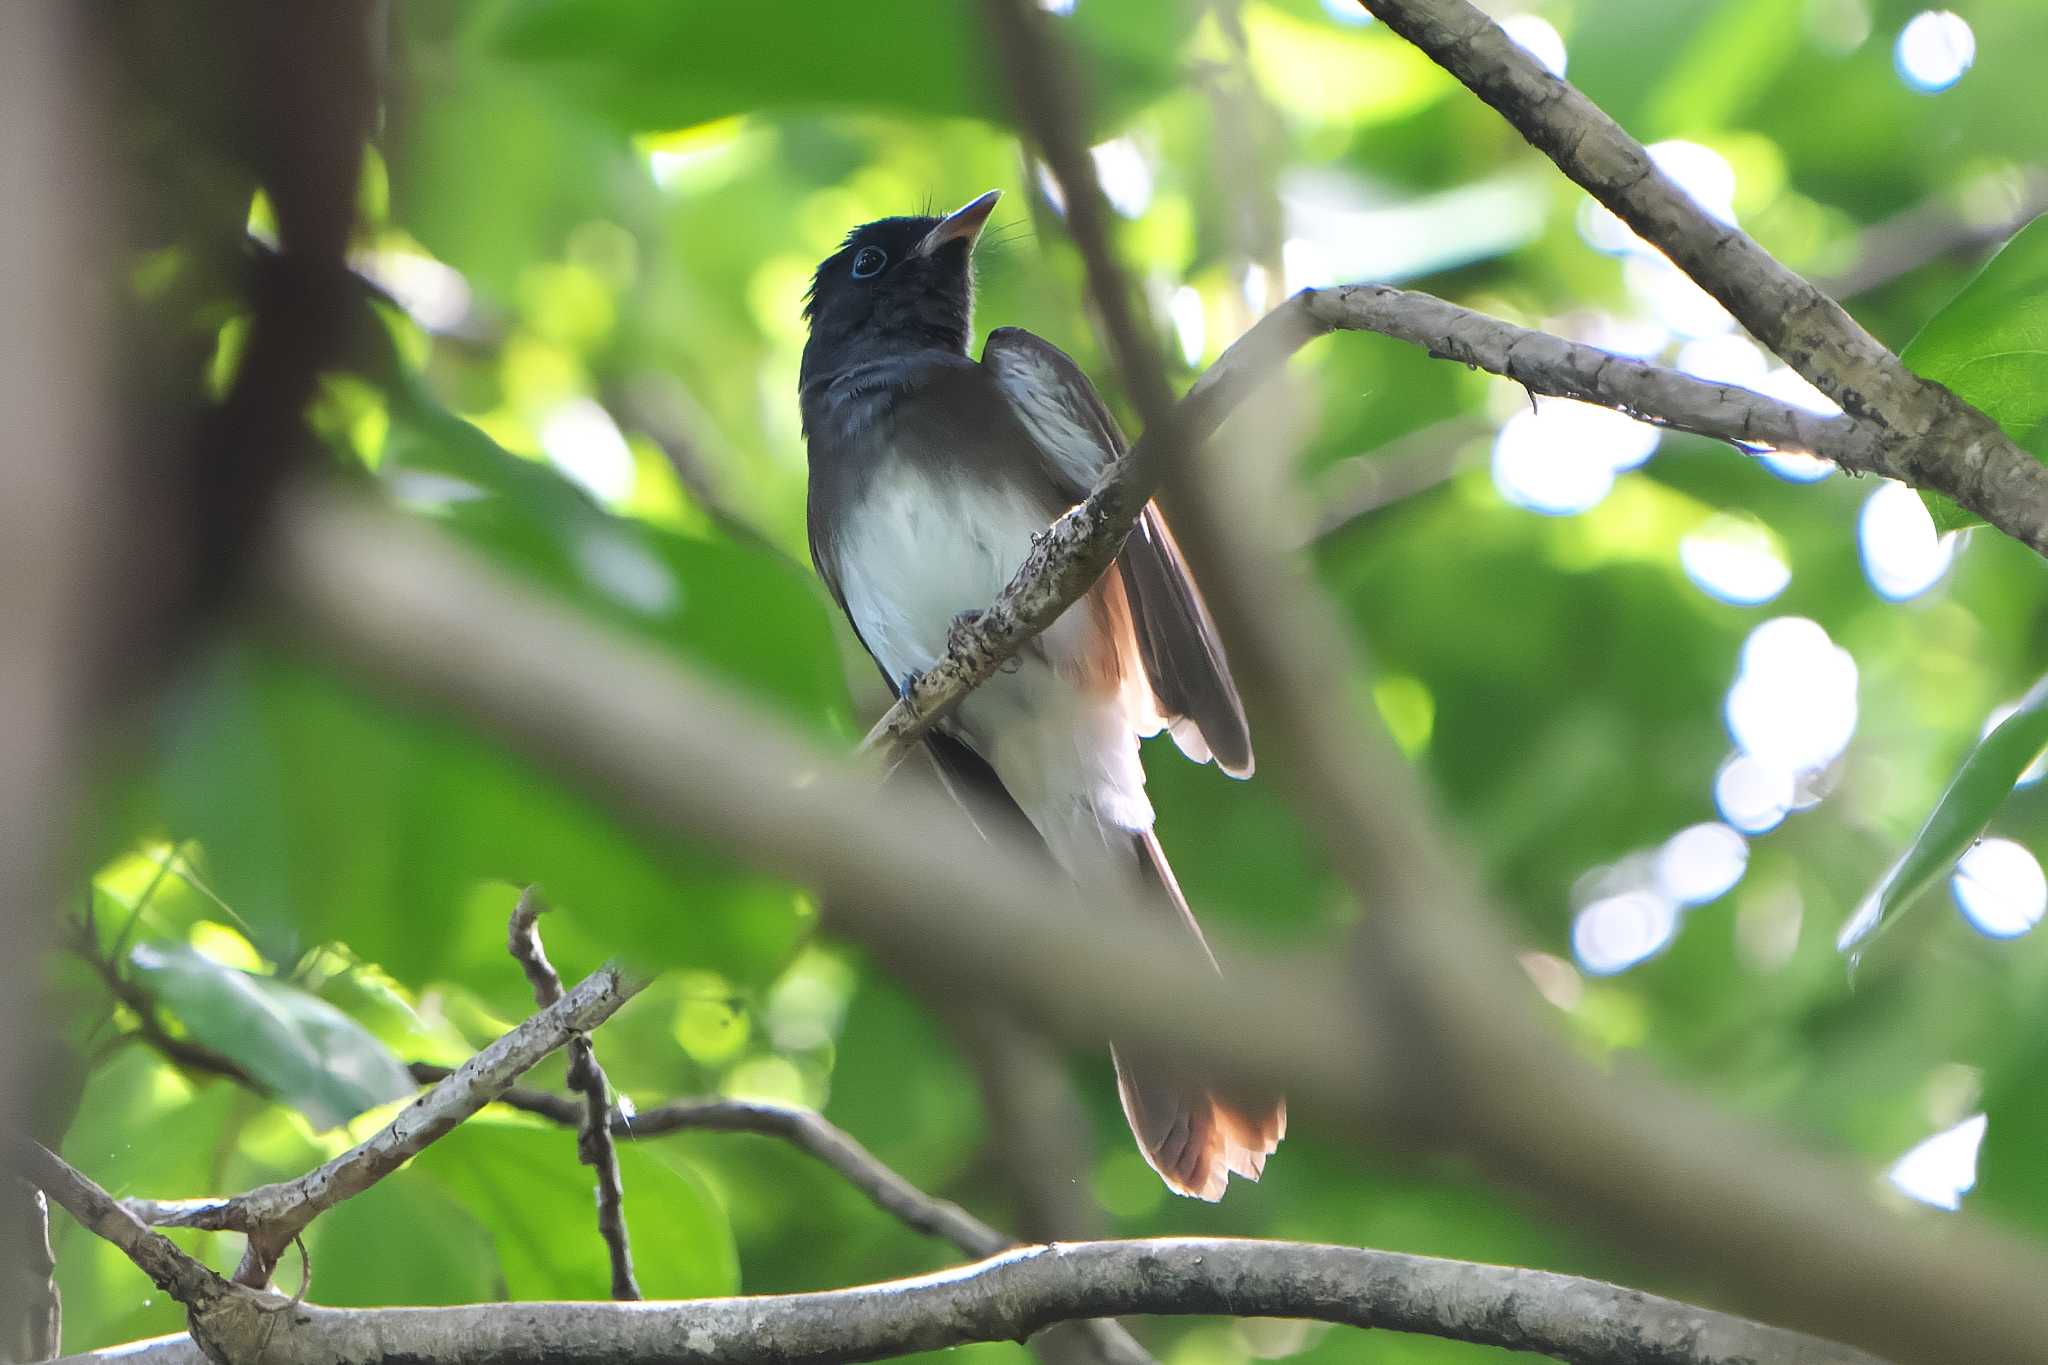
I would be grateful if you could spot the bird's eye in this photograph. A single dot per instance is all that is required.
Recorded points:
(868, 262)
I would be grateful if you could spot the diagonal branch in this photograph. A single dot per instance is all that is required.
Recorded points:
(1353, 1041)
(1012, 1296)
(1073, 554)
(1487, 1074)
(1933, 439)
(271, 1215)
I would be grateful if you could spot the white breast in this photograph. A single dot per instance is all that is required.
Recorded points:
(914, 552)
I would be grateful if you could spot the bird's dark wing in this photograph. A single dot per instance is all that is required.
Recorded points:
(1177, 640)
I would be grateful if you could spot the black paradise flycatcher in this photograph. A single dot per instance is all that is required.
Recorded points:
(930, 473)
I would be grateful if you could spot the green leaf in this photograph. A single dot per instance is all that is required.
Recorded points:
(655, 67)
(1990, 345)
(300, 1048)
(326, 815)
(523, 1182)
(1974, 795)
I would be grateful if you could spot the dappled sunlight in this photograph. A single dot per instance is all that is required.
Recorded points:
(1701, 864)
(1616, 932)
(1941, 1170)
(1903, 556)
(1793, 702)
(1999, 887)
(1934, 49)
(1734, 560)
(1539, 38)
(1561, 457)
(580, 438)
(1753, 796)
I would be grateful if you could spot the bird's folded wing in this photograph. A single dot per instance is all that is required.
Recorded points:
(1176, 638)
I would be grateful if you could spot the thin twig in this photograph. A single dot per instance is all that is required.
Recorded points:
(1012, 1296)
(271, 1215)
(804, 1129)
(586, 1076)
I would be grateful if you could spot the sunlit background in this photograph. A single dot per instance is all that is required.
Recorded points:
(1684, 703)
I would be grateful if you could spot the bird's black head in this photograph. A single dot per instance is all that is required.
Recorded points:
(897, 285)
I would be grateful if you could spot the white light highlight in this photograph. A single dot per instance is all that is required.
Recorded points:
(1703, 173)
(1902, 555)
(1057, 6)
(1701, 863)
(1752, 795)
(1789, 386)
(1725, 359)
(1561, 458)
(1347, 12)
(582, 441)
(1733, 560)
(2038, 769)
(1190, 328)
(1941, 1170)
(1616, 932)
(1999, 887)
(434, 295)
(1673, 299)
(1125, 175)
(1793, 703)
(1934, 49)
(1536, 36)
(626, 571)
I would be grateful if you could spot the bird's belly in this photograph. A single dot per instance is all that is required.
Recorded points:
(918, 550)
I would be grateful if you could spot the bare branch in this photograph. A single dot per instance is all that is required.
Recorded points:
(177, 1274)
(1485, 1072)
(811, 1133)
(682, 755)
(1011, 1296)
(1930, 438)
(271, 1215)
(594, 1135)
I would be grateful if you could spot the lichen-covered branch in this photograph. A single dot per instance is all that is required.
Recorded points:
(271, 1215)
(1075, 551)
(1011, 1296)
(1927, 436)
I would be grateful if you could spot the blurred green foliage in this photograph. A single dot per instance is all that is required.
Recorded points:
(599, 219)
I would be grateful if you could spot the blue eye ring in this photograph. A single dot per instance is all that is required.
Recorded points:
(869, 262)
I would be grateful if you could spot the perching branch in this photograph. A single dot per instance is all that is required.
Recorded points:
(586, 1075)
(1068, 560)
(1927, 437)
(813, 1134)
(1649, 1167)
(271, 1215)
(1009, 1297)
(668, 751)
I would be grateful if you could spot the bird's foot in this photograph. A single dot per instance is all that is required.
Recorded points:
(956, 632)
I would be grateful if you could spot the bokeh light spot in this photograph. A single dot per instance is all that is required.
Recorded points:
(582, 441)
(1701, 863)
(1616, 932)
(1734, 560)
(1752, 795)
(1903, 556)
(1941, 1170)
(1560, 457)
(1934, 49)
(1999, 887)
(2036, 770)
(1793, 703)
(1536, 36)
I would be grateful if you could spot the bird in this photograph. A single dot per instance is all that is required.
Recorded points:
(930, 474)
